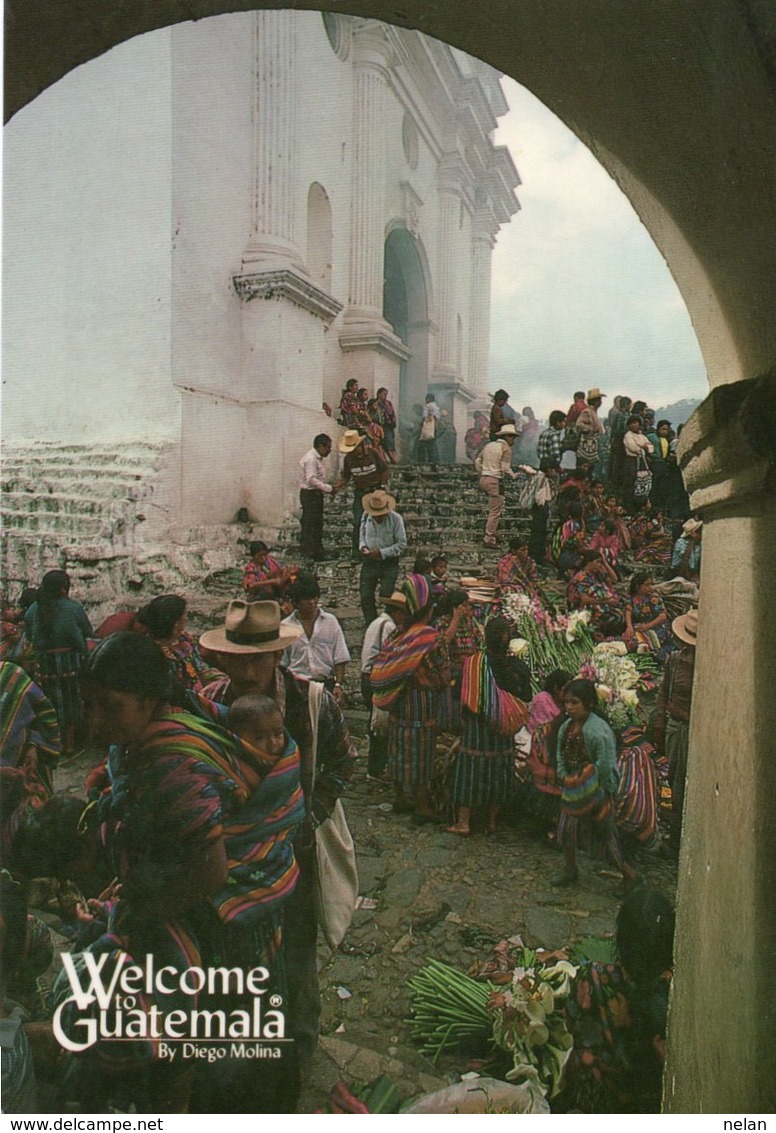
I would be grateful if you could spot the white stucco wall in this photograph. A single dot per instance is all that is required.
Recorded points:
(86, 256)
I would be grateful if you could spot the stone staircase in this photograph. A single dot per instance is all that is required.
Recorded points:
(101, 513)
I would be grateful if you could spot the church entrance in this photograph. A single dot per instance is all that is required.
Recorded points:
(405, 307)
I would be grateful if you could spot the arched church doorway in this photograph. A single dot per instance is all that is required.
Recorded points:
(405, 308)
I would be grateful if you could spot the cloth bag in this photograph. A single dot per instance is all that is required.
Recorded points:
(643, 485)
(582, 794)
(587, 449)
(336, 886)
(428, 428)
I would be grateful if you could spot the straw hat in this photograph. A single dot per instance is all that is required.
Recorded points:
(593, 393)
(397, 599)
(378, 503)
(507, 430)
(250, 627)
(349, 440)
(685, 627)
(691, 525)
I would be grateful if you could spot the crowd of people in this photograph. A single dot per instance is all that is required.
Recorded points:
(194, 838)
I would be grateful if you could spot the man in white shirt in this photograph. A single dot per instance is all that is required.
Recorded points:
(381, 541)
(493, 464)
(377, 633)
(313, 486)
(320, 653)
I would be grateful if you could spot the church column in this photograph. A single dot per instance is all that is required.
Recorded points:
(450, 191)
(722, 1026)
(272, 242)
(483, 241)
(372, 350)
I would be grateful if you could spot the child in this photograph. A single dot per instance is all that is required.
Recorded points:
(257, 720)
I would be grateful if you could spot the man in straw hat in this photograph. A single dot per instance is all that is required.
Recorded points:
(686, 555)
(672, 719)
(367, 470)
(381, 542)
(248, 646)
(493, 464)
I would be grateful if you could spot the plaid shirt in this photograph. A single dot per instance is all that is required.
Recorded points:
(548, 448)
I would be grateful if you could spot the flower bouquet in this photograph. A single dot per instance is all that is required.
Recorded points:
(546, 641)
(528, 1021)
(616, 677)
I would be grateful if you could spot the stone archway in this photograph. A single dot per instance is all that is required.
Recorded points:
(406, 309)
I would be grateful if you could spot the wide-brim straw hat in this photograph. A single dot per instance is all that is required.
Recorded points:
(397, 600)
(378, 503)
(593, 393)
(691, 525)
(349, 440)
(250, 627)
(507, 431)
(685, 627)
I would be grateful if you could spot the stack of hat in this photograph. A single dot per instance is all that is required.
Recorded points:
(479, 589)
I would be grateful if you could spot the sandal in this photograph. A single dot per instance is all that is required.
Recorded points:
(461, 831)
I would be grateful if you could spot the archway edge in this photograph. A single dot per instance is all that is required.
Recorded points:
(656, 90)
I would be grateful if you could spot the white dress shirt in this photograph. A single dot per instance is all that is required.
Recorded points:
(376, 633)
(313, 658)
(312, 472)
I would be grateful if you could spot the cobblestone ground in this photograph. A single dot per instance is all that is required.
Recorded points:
(438, 895)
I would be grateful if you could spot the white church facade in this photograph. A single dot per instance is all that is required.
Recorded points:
(211, 228)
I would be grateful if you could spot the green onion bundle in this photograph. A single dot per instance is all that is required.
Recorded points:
(448, 1008)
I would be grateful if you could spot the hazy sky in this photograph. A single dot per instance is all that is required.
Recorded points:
(581, 295)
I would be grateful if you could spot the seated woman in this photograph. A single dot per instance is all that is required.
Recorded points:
(568, 542)
(592, 588)
(349, 407)
(264, 577)
(164, 620)
(607, 541)
(646, 620)
(616, 1014)
(517, 570)
(586, 766)
(495, 690)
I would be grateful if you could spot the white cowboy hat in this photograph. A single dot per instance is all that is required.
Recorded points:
(349, 440)
(250, 627)
(507, 430)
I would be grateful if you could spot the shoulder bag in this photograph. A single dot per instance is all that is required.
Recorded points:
(336, 885)
(643, 485)
(428, 428)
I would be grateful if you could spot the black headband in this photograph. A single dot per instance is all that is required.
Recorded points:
(252, 638)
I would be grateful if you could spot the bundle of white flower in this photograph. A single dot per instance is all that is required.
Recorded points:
(545, 642)
(615, 676)
(528, 1022)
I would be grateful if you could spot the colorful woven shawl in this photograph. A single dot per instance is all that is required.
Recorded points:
(398, 662)
(27, 717)
(482, 696)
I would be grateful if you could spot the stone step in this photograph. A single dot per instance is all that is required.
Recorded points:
(73, 505)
